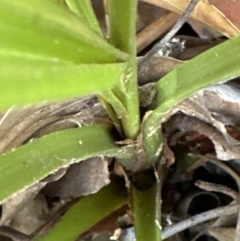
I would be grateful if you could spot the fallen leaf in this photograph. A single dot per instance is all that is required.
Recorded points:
(230, 8)
(222, 234)
(155, 68)
(226, 221)
(203, 30)
(32, 216)
(147, 13)
(223, 101)
(20, 126)
(168, 154)
(204, 12)
(155, 30)
(208, 112)
(15, 204)
(81, 179)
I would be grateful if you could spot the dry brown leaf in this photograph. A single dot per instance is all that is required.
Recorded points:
(184, 205)
(223, 101)
(204, 31)
(168, 154)
(156, 29)
(147, 13)
(33, 216)
(19, 126)
(155, 68)
(208, 112)
(223, 234)
(204, 12)
(226, 221)
(198, 106)
(230, 8)
(224, 151)
(194, 47)
(81, 179)
(13, 205)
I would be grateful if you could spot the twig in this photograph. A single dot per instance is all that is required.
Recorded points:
(160, 45)
(199, 218)
(208, 186)
(14, 234)
(156, 29)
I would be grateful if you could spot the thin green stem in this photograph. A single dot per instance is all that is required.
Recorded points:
(122, 17)
(146, 206)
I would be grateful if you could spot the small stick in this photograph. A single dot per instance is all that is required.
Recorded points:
(208, 186)
(199, 218)
(183, 18)
(155, 30)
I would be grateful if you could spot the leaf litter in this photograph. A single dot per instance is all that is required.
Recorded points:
(203, 129)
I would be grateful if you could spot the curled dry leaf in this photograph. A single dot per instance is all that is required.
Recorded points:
(20, 126)
(224, 168)
(231, 219)
(225, 190)
(82, 178)
(208, 112)
(187, 202)
(216, 20)
(223, 101)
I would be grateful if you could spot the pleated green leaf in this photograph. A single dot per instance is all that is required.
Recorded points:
(26, 80)
(219, 64)
(32, 162)
(48, 29)
(87, 212)
(83, 9)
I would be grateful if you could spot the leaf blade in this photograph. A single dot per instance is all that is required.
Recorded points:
(47, 29)
(87, 212)
(84, 10)
(218, 64)
(28, 81)
(39, 158)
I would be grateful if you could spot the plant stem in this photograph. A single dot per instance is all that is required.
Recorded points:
(146, 206)
(122, 34)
